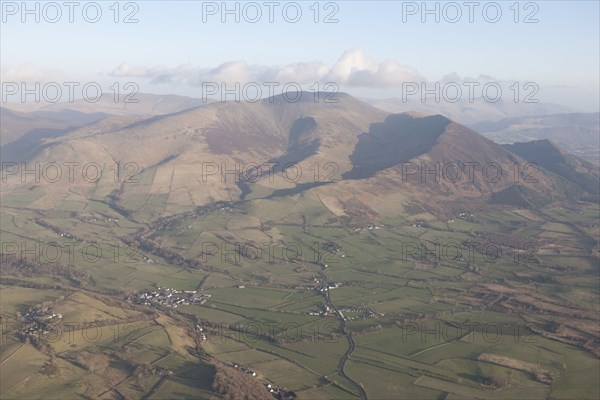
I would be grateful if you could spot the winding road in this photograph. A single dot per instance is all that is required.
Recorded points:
(352, 347)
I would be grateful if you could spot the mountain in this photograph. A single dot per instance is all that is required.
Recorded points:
(23, 132)
(126, 104)
(16, 124)
(579, 177)
(579, 133)
(435, 162)
(466, 112)
(19, 119)
(337, 149)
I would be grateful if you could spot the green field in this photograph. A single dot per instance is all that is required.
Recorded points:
(420, 318)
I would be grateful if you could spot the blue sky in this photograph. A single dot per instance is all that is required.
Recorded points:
(560, 52)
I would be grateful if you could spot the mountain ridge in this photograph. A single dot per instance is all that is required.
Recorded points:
(208, 153)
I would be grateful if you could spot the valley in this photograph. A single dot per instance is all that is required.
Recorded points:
(360, 268)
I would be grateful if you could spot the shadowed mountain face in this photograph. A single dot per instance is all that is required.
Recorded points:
(579, 176)
(398, 139)
(300, 144)
(27, 146)
(299, 129)
(300, 147)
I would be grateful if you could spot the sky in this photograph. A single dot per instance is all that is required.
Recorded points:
(367, 48)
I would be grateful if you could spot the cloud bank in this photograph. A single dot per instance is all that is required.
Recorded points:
(353, 69)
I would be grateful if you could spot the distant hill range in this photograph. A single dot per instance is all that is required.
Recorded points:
(466, 112)
(19, 119)
(24, 126)
(578, 133)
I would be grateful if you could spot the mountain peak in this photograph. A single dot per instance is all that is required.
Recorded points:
(291, 97)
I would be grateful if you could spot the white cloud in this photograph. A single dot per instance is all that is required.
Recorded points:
(229, 72)
(353, 69)
(127, 70)
(350, 63)
(31, 74)
(300, 72)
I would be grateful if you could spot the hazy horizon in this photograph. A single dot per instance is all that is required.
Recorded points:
(553, 45)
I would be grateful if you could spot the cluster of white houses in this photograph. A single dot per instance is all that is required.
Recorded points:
(169, 297)
(323, 311)
(354, 313)
(329, 286)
